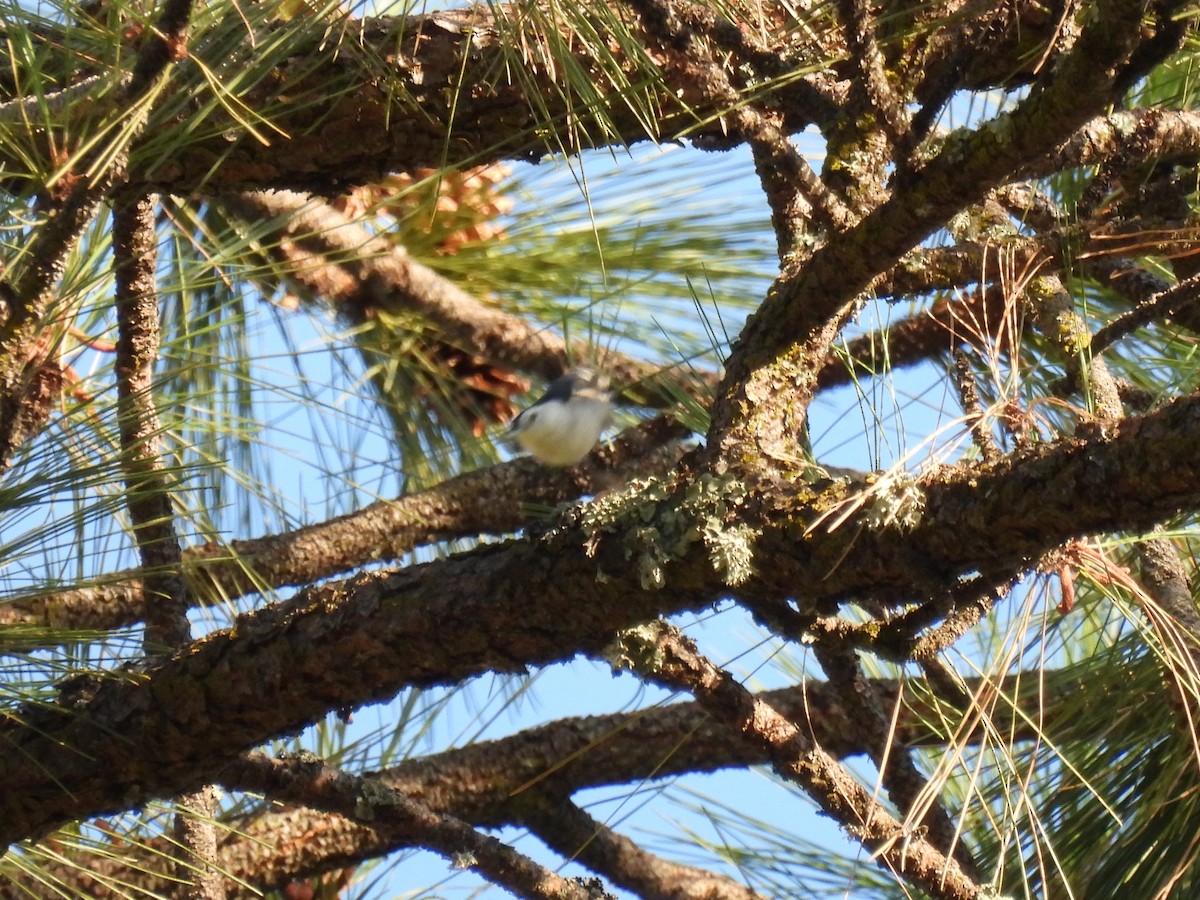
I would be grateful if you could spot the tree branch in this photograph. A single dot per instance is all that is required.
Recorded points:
(488, 501)
(660, 654)
(771, 374)
(148, 498)
(147, 487)
(486, 783)
(384, 277)
(456, 618)
(566, 828)
(443, 66)
(307, 779)
(904, 782)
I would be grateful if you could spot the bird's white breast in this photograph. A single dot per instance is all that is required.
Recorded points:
(559, 436)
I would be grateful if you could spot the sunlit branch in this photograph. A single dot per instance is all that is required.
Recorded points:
(148, 498)
(459, 617)
(492, 501)
(309, 780)
(771, 375)
(568, 829)
(665, 657)
(486, 783)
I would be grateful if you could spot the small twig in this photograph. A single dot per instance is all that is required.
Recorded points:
(895, 637)
(969, 396)
(860, 40)
(943, 682)
(957, 620)
(569, 830)
(307, 779)
(907, 787)
(962, 609)
(1030, 206)
(1161, 305)
(1068, 332)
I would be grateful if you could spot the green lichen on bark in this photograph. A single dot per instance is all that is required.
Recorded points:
(636, 649)
(658, 523)
(897, 501)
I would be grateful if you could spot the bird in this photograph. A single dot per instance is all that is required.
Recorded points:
(566, 422)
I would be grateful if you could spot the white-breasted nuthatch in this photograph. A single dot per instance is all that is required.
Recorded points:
(564, 424)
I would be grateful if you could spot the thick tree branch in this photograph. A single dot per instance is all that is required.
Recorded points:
(447, 621)
(486, 783)
(442, 71)
(495, 501)
(771, 375)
